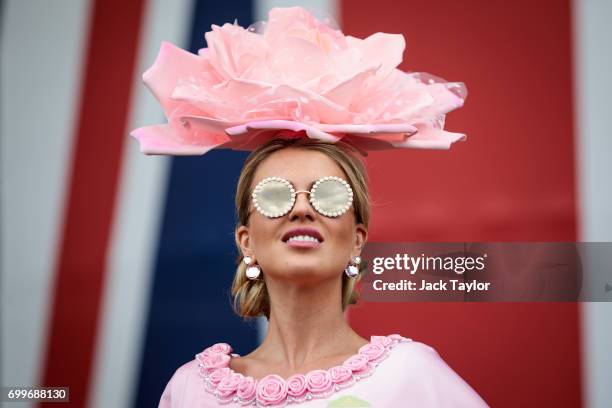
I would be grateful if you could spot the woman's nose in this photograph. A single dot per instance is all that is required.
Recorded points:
(302, 207)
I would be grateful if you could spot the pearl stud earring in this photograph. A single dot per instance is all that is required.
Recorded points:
(252, 271)
(352, 268)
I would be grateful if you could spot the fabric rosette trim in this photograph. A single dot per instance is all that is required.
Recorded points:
(295, 76)
(274, 391)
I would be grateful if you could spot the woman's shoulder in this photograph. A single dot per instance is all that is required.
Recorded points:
(216, 354)
(183, 372)
(419, 367)
(409, 355)
(401, 347)
(175, 389)
(416, 352)
(420, 360)
(185, 387)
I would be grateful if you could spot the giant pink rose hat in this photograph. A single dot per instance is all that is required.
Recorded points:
(295, 77)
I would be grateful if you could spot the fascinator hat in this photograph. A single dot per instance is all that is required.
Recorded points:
(295, 76)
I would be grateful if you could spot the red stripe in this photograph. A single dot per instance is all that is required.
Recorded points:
(100, 137)
(512, 180)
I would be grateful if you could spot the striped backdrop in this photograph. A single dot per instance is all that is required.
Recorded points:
(116, 267)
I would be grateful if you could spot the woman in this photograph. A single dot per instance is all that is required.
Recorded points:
(307, 100)
(310, 354)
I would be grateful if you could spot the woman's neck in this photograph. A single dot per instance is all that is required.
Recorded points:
(306, 325)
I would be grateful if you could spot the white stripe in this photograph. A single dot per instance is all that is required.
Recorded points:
(597, 358)
(321, 9)
(593, 65)
(42, 62)
(136, 224)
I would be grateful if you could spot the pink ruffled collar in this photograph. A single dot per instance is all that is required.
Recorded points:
(274, 391)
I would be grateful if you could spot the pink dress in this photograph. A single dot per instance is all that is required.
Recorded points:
(390, 371)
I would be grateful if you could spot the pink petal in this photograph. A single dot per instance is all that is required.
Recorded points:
(431, 138)
(327, 111)
(171, 64)
(232, 49)
(344, 92)
(283, 95)
(359, 130)
(281, 20)
(251, 140)
(227, 99)
(381, 47)
(220, 56)
(296, 60)
(208, 124)
(284, 21)
(415, 103)
(160, 139)
(311, 131)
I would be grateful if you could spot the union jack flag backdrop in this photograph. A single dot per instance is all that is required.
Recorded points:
(116, 267)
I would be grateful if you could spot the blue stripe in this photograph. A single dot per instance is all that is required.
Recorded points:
(190, 304)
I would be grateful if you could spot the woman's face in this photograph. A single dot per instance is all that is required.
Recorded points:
(266, 239)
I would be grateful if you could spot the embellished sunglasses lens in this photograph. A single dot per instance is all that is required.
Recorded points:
(273, 197)
(331, 196)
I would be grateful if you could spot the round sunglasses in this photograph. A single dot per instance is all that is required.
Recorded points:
(330, 196)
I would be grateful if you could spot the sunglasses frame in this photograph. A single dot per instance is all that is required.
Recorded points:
(312, 196)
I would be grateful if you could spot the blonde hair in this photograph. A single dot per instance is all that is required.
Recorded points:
(251, 297)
